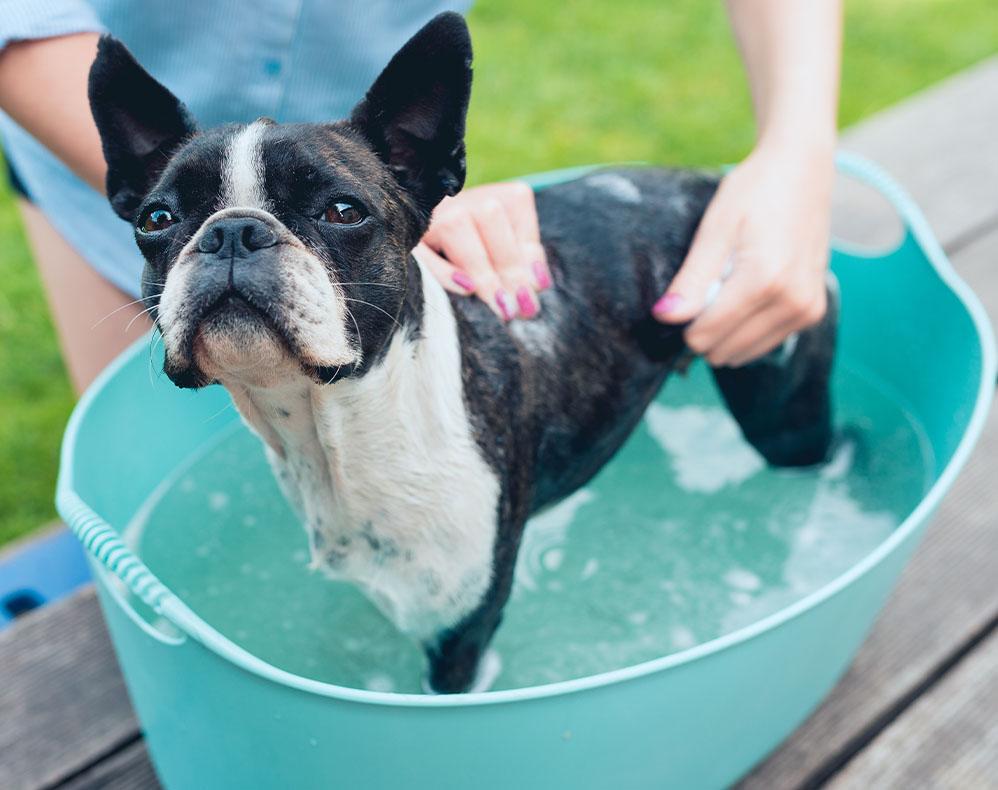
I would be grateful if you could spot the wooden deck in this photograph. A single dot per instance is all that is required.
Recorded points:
(918, 708)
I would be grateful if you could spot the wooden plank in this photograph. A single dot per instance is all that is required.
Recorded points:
(62, 699)
(947, 739)
(946, 596)
(128, 769)
(942, 145)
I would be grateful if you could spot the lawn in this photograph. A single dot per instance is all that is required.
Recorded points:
(592, 81)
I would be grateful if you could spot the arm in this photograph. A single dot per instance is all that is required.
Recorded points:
(770, 216)
(43, 86)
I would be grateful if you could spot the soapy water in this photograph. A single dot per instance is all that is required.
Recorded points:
(685, 536)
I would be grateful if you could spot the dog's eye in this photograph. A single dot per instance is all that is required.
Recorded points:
(342, 213)
(156, 220)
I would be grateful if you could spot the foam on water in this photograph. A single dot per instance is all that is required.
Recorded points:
(686, 535)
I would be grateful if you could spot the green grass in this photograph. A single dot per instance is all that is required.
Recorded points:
(592, 81)
(35, 396)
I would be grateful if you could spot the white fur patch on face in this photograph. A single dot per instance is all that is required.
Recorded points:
(171, 303)
(616, 186)
(243, 183)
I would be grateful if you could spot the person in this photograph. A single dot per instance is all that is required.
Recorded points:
(765, 233)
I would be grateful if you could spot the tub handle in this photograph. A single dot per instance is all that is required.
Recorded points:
(864, 171)
(917, 230)
(106, 547)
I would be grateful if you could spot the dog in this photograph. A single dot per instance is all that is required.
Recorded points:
(412, 431)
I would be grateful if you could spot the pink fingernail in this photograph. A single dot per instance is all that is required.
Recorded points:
(502, 302)
(542, 275)
(462, 280)
(526, 302)
(668, 304)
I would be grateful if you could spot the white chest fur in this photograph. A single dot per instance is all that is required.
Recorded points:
(385, 473)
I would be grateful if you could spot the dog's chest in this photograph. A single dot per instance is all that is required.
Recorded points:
(387, 477)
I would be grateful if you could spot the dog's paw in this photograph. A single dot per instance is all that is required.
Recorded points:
(486, 673)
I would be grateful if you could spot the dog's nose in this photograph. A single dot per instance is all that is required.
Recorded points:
(236, 237)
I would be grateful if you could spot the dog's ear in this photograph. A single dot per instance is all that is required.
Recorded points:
(414, 113)
(140, 123)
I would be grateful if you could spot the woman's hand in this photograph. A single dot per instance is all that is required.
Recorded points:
(768, 226)
(486, 241)
(768, 223)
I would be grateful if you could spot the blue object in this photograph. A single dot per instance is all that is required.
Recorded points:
(40, 572)
(216, 715)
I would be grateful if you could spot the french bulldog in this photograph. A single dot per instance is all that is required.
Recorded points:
(413, 431)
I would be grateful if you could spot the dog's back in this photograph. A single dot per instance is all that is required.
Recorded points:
(580, 375)
(615, 239)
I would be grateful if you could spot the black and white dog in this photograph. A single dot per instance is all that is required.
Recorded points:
(413, 431)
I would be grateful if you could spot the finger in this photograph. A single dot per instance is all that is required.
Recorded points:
(539, 267)
(764, 346)
(712, 244)
(521, 207)
(457, 237)
(518, 199)
(762, 332)
(506, 255)
(448, 275)
(738, 300)
(802, 316)
(755, 315)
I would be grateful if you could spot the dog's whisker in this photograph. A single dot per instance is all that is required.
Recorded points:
(220, 412)
(434, 308)
(116, 310)
(360, 340)
(379, 309)
(150, 349)
(137, 316)
(379, 285)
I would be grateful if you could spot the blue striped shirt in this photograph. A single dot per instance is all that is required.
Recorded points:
(228, 61)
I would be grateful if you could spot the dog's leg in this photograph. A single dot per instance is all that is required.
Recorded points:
(782, 401)
(455, 656)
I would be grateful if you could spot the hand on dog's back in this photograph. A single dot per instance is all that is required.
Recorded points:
(486, 240)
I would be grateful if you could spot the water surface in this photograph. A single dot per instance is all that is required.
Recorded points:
(686, 535)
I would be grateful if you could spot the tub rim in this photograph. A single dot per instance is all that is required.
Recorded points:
(112, 557)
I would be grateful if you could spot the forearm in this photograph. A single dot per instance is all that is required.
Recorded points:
(767, 225)
(43, 86)
(791, 50)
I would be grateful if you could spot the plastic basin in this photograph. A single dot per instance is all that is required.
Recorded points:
(215, 715)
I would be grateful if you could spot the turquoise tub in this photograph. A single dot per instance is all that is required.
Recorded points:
(217, 716)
